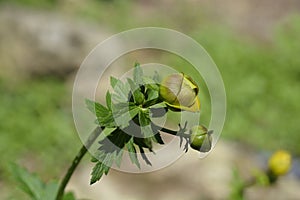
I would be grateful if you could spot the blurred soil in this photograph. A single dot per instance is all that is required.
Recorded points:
(188, 178)
(44, 43)
(41, 43)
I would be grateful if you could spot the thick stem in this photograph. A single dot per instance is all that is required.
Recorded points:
(91, 139)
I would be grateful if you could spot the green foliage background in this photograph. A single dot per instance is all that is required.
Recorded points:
(262, 85)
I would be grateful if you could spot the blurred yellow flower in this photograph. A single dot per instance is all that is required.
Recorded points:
(280, 162)
(179, 92)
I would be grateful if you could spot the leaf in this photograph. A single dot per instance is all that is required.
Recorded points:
(152, 94)
(138, 74)
(33, 186)
(113, 81)
(145, 123)
(133, 85)
(143, 142)
(102, 167)
(96, 108)
(29, 183)
(69, 196)
(158, 138)
(105, 133)
(123, 113)
(136, 92)
(103, 114)
(148, 81)
(94, 159)
(144, 156)
(50, 191)
(115, 141)
(134, 110)
(121, 91)
(108, 100)
(110, 151)
(97, 172)
(144, 117)
(108, 162)
(132, 153)
(119, 158)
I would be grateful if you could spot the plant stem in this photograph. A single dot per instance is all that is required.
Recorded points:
(175, 133)
(179, 133)
(91, 139)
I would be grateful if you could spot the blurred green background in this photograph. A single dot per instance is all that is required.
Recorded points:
(255, 44)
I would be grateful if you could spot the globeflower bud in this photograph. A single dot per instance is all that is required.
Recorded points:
(200, 138)
(138, 97)
(280, 163)
(180, 92)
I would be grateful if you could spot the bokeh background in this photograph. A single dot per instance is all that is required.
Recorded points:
(255, 44)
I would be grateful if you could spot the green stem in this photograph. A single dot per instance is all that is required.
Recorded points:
(179, 133)
(91, 139)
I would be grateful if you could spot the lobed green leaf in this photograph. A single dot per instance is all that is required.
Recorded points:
(102, 167)
(108, 100)
(121, 90)
(35, 188)
(132, 153)
(29, 183)
(69, 196)
(123, 113)
(113, 81)
(138, 74)
(97, 172)
(103, 114)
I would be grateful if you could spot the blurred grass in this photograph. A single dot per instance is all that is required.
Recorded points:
(262, 84)
(36, 126)
(32, 3)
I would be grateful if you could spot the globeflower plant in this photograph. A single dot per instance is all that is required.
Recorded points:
(125, 124)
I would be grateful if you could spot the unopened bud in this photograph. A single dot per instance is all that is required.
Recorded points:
(200, 138)
(180, 92)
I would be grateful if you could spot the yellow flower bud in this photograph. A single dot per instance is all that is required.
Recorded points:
(180, 92)
(280, 162)
(200, 138)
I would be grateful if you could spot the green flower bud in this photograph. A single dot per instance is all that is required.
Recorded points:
(200, 138)
(138, 97)
(180, 92)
